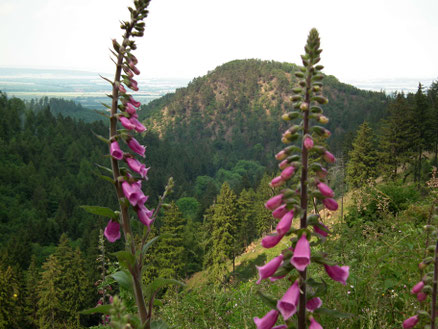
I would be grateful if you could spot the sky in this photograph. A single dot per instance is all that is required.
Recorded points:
(362, 40)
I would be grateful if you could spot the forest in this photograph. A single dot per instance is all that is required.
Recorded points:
(207, 230)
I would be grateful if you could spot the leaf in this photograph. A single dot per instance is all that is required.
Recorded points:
(98, 309)
(124, 280)
(100, 211)
(159, 283)
(125, 258)
(151, 242)
(107, 178)
(103, 113)
(104, 168)
(159, 324)
(268, 300)
(103, 139)
(333, 313)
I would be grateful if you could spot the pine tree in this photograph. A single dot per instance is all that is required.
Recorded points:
(63, 288)
(169, 252)
(363, 159)
(245, 205)
(395, 139)
(31, 294)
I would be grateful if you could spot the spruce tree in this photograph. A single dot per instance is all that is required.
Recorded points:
(10, 308)
(396, 137)
(224, 231)
(264, 220)
(169, 252)
(363, 158)
(31, 294)
(63, 288)
(245, 205)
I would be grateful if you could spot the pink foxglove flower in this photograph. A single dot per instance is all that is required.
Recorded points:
(138, 126)
(314, 324)
(277, 181)
(133, 193)
(130, 109)
(126, 123)
(421, 296)
(136, 166)
(330, 158)
(313, 304)
(136, 147)
(338, 273)
(287, 172)
(325, 190)
(144, 215)
(417, 288)
(330, 204)
(320, 231)
(133, 67)
(274, 202)
(280, 211)
(115, 151)
(411, 322)
(283, 326)
(271, 241)
(275, 278)
(112, 231)
(308, 142)
(285, 223)
(268, 321)
(134, 102)
(287, 305)
(301, 256)
(269, 268)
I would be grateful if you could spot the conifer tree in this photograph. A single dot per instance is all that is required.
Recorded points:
(10, 310)
(247, 229)
(363, 157)
(63, 288)
(224, 230)
(432, 94)
(264, 220)
(31, 294)
(395, 139)
(169, 253)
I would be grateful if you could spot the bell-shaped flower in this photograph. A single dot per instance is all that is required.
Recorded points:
(301, 256)
(130, 109)
(138, 126)
(285, 223)
(144, 215)
(134, 102)
(421, 296)
(133, 193)
(136, 147)
(417, 288)
(126, 123)
(137, 166)
(268, 321)
(287, 172)
(330, 204)
(115, 151)
(280, 211)
(112, 231)
(411, 322)
(320, 231)
(122, 89)
(275, 278)
(287, 305)
(313, 304)
(274, 202)
(314, 324)
(330, 158)
(271, 241)
(269, 268)
(133, 67)
(338, 273)
(277, 181)
(308, 142)
(325, 190)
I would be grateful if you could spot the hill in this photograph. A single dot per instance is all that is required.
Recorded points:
(236, 108)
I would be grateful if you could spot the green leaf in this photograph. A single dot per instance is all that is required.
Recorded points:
(333, 313)
(104, 168)
(159, 283)
(103, 113)
(100, 211)
(124, 280)
(159, 324)
(268, 300)
(125, 258)
(107, 178)
(98, 309)
(103, 139)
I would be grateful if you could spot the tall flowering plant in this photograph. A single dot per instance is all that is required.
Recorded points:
(303, 296)
(128, 175)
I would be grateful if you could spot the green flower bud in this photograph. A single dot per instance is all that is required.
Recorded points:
(299, 74)
(304, 106)
(320, 99)
(297, 90)
(319, 67)
(296, 98)
(316, 109)
(302, 83)
(427, 289)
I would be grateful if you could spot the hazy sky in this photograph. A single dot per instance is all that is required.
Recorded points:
(186, 38)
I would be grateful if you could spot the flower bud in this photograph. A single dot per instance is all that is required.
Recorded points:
(308, 142)
(304, 106)
(287, 172)
(277, 181)
(320, 99)
(281, 155)
(283, 164)
(330, 158)
(421, 296)
(323, 119)
(325, 190)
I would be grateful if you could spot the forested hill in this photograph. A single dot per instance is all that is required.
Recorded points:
(239, 104)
